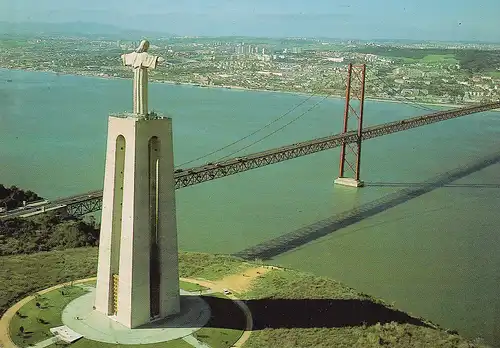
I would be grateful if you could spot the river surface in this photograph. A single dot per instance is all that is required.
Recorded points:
(433, 253)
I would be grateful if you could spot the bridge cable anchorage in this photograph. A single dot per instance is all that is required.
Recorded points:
(253, 133)
(409, 102)
(277, 130)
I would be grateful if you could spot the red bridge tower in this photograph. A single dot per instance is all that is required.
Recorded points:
(350, 154)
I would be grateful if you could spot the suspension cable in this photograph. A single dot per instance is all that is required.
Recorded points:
(275, 131)
(251, 134)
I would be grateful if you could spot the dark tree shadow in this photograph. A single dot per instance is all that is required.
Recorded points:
(304, 235)
(324, 313)
(310, 313)
(295, 313)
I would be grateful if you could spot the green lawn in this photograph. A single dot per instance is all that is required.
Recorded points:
(494, 74)
(431, 58)
(37, 321)
(224, 312)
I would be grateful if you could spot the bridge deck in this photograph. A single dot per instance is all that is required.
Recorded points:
(92, 201)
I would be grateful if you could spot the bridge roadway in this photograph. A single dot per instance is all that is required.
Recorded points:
(89, 202)
(86, 203)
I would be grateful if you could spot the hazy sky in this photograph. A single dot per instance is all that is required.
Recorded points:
(364, 19)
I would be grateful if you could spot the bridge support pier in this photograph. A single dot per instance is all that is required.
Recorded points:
(350, 154)
(350, 182)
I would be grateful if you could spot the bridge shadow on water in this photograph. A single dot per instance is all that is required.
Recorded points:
(306, 313)
(304, 235)
(418, 184)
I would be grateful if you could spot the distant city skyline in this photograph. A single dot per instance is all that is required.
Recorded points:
(353, 19)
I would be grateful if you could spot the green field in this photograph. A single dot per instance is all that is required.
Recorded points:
(472, 61)
(431, 58)
(290, 308)
(439, 58)
(207, 266)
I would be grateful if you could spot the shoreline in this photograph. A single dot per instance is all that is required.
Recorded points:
(239, 88)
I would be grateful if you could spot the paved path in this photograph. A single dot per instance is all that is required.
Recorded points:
(46, 343)
(240, 283)
(194, 342)
(219, 287)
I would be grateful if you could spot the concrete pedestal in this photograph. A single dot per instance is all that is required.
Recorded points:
(93, 325)
(349, 182)
(137, 276)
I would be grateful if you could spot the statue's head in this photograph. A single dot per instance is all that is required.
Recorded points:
(143, 47)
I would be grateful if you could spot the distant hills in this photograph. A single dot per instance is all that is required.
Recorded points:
(93, 30)
(77, 29)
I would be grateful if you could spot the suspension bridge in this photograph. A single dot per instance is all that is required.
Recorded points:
(348, 140)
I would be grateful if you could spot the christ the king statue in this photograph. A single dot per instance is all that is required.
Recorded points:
(141, 61)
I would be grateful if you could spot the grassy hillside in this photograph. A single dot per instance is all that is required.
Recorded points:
(21, 275)
(471, 60)
(290, 309)
(295, 309)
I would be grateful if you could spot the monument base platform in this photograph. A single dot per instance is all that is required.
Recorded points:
(81, 318)
(349, 182)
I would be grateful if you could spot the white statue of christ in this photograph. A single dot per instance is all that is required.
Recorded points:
(141, 61)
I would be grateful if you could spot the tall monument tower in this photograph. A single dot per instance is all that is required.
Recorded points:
(137, 276)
